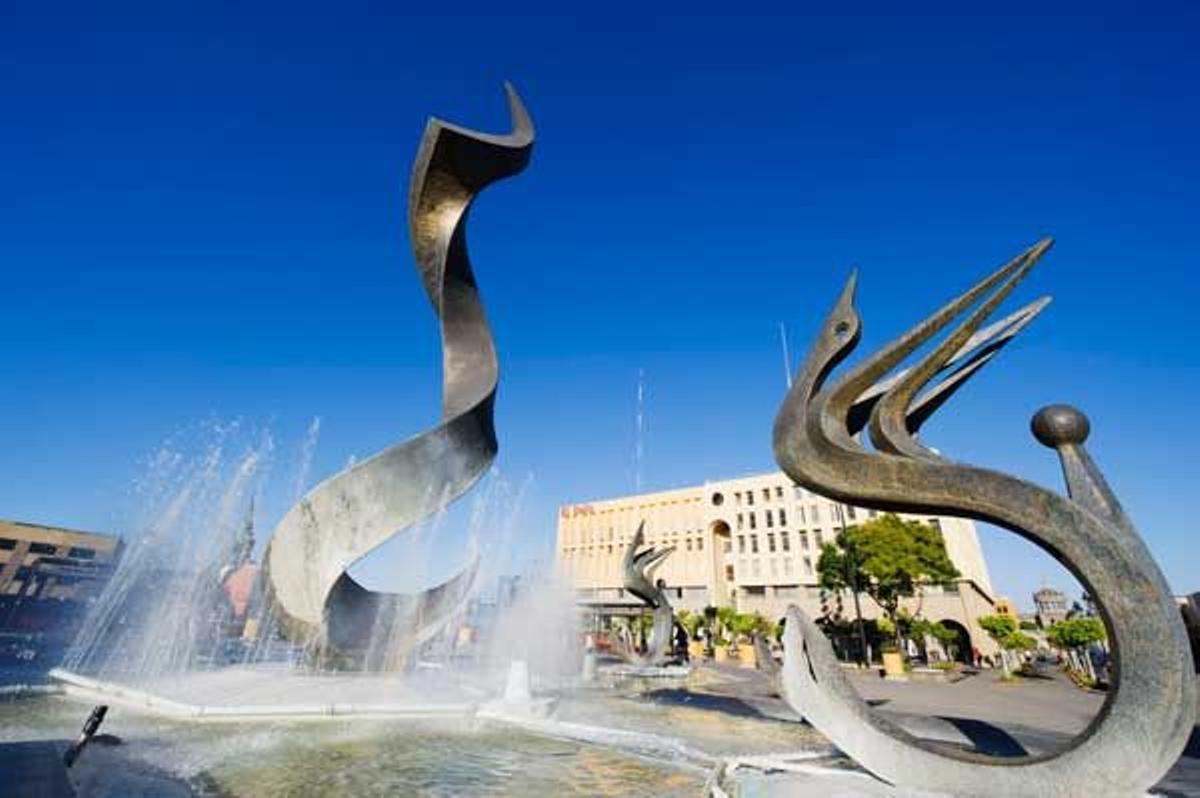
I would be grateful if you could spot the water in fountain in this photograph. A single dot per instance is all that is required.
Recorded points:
(160, 611)
(153, 629)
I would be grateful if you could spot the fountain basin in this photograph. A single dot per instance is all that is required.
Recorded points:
(271, 693)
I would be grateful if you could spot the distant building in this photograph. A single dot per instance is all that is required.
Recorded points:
(48, 578)
(1051, 606)
(1004, 606)
(753, 543)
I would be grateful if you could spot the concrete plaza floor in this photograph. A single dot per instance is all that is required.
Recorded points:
(1029, 716)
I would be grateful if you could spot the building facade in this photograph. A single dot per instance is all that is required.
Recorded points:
(1051, 606)
(48, 578)
(753, 543)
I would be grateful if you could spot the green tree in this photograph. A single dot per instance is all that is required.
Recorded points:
(1005, 631)
(887, 558)
(1074, 635)
(919, 630)
(948, 638)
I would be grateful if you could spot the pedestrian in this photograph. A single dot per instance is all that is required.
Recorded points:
(681, 643)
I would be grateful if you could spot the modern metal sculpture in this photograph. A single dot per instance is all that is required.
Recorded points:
(637, 577)
(1148, 716)
(355, 511)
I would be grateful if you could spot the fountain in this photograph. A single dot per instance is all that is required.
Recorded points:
(210, 664)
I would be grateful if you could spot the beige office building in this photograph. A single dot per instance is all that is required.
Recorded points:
(752, 543)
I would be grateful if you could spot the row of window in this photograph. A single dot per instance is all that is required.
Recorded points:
(691, 544)
(778, 566)
(782, 591)
(747, 497)
(586, 536)
(784, 538)
(79, 553)
(811, 516)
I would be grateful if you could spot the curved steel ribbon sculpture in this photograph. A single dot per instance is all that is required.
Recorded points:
(1148, 716)
(636, 571)
(355, 511)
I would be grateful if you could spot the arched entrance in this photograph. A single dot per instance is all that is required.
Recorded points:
(959, 649)
(720, 544)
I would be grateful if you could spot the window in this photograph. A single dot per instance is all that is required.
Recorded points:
(699, 544)
(850, 513)
(740, 520)
(819, 539)
(808, 566)
(754, 544)
(804, 540)
(41, 548)
(771, 542)
(871, 513)
(782, 517)
(766, 494)
(787, 567)
(815, 515)
(778, 492)
(717, 499)
(752, 524)
(737, 498)
(770, 518)
(741, 544)
(7, 544)
(784, 542)
(689, 544)
(755, 591)
(801, 511)
(756, 567)
(750, 498)
(936, 524)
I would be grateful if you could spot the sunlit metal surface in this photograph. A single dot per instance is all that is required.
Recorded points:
(1149, 713)
(355, 511)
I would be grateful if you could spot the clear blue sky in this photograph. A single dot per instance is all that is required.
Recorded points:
(202, 214)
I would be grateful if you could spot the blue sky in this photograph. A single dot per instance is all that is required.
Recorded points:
(202, 216)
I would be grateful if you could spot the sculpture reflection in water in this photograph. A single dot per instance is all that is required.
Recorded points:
(355, 511)
(1148, 716)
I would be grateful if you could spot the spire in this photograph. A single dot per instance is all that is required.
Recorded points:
(245, 542)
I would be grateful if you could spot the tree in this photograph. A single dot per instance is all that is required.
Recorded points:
(1004, 630)
(1075, 635)
(919, 629)
(887, 558)
(948, 638)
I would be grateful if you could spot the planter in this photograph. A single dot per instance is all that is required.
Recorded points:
(893, 666)
(696, 649)
(747, 656)
(721, 654)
